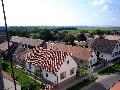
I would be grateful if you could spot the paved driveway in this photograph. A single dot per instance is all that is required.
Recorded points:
(103, 82)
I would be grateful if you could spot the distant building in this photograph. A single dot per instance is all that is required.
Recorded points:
(2, 38)
(56, 66)
(107, 48)
(27, 43)
(4, 49)
(83, 56)
(23, 45)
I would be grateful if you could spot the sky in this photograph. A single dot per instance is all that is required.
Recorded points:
(61, 12)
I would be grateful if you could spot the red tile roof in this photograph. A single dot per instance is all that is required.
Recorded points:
(76, 51)
(112, 37)
(47, 59)
(116, 86)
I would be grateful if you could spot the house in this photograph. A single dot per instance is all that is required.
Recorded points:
(56, 66)
(107, 48)
(115, 86)
(83, 56)
(28, 43)
(22, 45)
(9, 83)
(19, 55)
(4, 49)
(2, 38)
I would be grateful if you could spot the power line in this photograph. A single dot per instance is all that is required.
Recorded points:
(9, 54)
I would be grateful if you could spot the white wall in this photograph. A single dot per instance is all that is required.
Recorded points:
(32, 67)
(92, 59)
(51, 77)
(66, 67)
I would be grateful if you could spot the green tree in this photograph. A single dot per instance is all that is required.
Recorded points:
(99, 32)
(46, 35)
(81, 37)
(70, 39)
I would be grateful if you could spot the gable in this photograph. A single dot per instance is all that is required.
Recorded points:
(68, 64)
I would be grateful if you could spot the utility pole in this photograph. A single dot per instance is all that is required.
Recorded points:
(9, 53)
(1, 75)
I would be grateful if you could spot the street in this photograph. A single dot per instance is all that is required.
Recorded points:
(103, 82)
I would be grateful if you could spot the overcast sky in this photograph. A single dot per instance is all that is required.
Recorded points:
(61, 12)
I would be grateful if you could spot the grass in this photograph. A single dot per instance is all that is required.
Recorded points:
(110, 70)
(83, 83)
(20, 76)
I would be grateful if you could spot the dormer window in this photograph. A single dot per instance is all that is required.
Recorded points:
(113, 54)
(46, 75)
(117, 47)
(29, 66)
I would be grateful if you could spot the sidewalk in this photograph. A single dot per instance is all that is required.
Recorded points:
(72, 83)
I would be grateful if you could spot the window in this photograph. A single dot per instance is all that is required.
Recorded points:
(72, 71)
(117, 47)
(29, 66)
(29, 47)
(63, 75)
(90, 62)
(91, 55)
(102, 55)
(46, 75)
(80, 61)
(113, 54)
(68, 62)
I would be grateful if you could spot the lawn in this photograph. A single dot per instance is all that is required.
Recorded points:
(110, 70)
(83, 83)
(20, 76)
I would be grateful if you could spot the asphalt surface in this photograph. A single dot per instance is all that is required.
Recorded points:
(103, 82)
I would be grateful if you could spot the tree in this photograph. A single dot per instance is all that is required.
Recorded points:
(45, 35)
(81, 37)
(101, 37)
(99, 32)
(70, 39)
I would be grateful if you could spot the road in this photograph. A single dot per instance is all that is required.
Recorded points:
(103, 82)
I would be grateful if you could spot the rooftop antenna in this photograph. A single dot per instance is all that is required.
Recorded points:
(9, 54)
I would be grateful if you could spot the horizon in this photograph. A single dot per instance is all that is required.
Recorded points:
(61, 13)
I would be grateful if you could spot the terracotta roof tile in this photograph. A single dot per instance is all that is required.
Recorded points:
(112, 37)
(76, 51)
(47, 59)
(116, 86)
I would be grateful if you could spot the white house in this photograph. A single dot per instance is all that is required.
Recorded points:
(107, 48)
(56, 66)
(83, 56)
